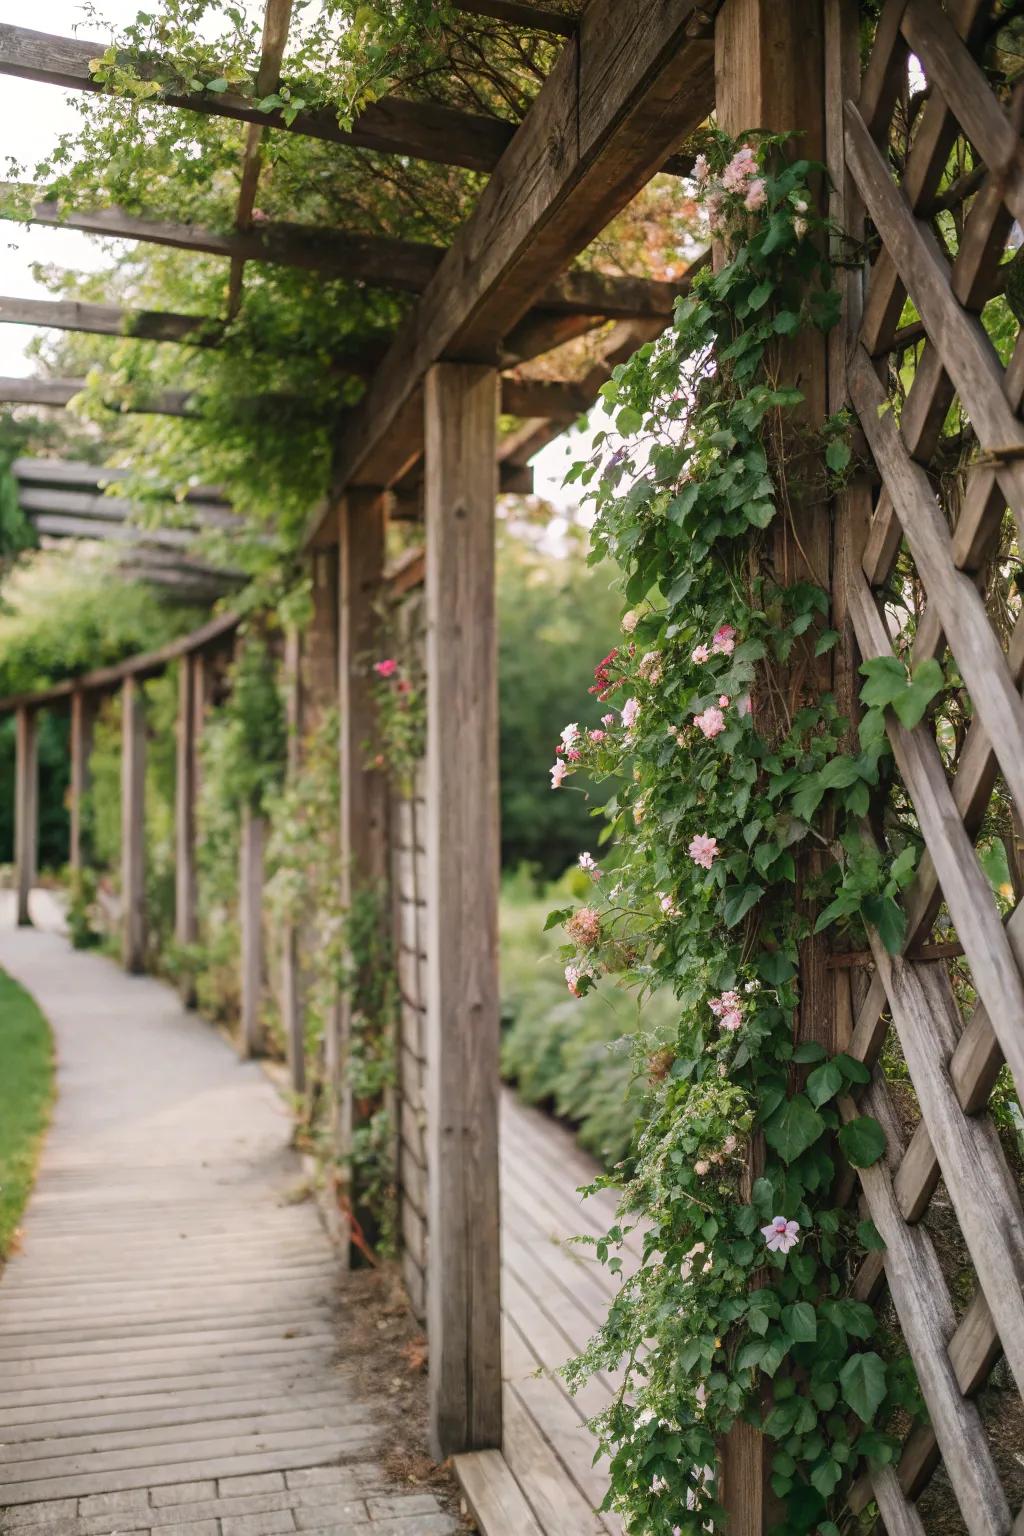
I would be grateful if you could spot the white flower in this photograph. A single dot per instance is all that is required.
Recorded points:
(630, 621)
(569, 735)
(558, 772)
(781, 1235)
(630, 710)
(589, 866)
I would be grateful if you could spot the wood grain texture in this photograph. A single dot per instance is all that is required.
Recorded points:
(186, 918)
(620, 98)
(26, 808)
(111, 320)
(463, 864)
(133, 825)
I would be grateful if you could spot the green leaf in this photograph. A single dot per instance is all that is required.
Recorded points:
(808, 797)
(862, 1380)
(886, 678)
(800, 1322)
(869, 1237)
(825, 1477)
(910, 705)
(220, 84)
(809, 1050)
(837, 455)
(793, 1127)
(826, 640)
(862, 1141)
(629, 421)
(555, 919)
(775, 967)
(825, 1083)
(738, 902)
(889, 918)
(839, 773)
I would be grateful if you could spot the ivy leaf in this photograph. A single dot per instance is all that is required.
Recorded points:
(554, 919)
(739, 901)
(869, 1237)
(862, 1140)
(839, 773)
(862, 1379)
(926, 682)
(889, 918)
(886, 677)
(629, 421)
(837, 455)
(808, 797)
(800, 1322)
(760, 295)
(794, 1126)
(853, 1070)
(826, 640)
(825, 1083)
(825, 1477)
(775, 967)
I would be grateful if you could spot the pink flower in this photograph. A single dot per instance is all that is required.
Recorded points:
(756, 195)
(629, 621)
(781, 1235)
(700, 169)
(740, 169)
(701, 1167)
(558, 773)
(711, 722)
(724, 642)
(589, 866)
(584, 927)
(597, 736)
(724, 700)
(574, 755)
(669, 907)
(386, 668)
(701, 654)
(607, 719)
(726, 1010)
(731, 1019)
(703, 850)
(569, 734)
(630, 710)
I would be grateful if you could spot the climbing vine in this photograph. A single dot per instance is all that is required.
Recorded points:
(737, 797)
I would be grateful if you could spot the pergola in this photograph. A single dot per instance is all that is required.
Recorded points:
(632, 80)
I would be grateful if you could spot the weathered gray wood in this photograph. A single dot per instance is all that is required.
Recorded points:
(392, 125)
(82, 709)
(463, 871)
(363, 870)
(277, 15)
(922, 1302)
(538, 17)
(110, 320)
(291, 989)
(620, 98)
(186, 919)
(250, 907)
(133, 825)
(26, 807)
(494, 1497)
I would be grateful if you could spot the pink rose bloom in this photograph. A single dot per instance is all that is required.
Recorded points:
(573, 755)
(597, 735)
(781, 1235)
(724, 642)
(731, 1019)
(558, 773)
(701, 654)
(701, 1167)
(724, 700)
(711, 722)
(703, 850)
(756, 195)
(386, 668)
(630, 710)
(740, 169)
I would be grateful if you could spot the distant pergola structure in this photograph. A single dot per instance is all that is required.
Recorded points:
(632, 80)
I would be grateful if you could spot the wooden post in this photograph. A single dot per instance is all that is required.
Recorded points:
(81, 751)
(363, 851)
(463, 867)
(26, 808)
(186, 927)
(133, 825)
(769, 68)
(250, 901)
(292, 1002)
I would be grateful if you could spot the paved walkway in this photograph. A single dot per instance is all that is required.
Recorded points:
(167, 1339)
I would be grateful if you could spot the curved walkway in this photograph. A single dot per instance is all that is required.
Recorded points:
(167, 1331)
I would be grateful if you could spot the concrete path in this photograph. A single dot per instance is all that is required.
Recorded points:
(167, 1338)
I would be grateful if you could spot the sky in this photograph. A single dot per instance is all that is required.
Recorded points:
(32, 118)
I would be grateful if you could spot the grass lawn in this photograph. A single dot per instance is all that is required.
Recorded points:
(26, 1093)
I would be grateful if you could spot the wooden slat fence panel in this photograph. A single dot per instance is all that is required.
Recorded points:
(938, 167)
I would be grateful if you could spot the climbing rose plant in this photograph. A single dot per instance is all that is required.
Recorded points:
(726, 775)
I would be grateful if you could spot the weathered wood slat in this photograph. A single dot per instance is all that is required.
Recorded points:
(494, 1497)
(111, 320)
(919, 1294)
(26, 808)
(133, 824)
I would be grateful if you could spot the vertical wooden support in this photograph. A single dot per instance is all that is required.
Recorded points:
(26, 808)
(186, 926)
(250, 901)
(363, 849)
(769, 67)
(291, 1002)
(81, 751)
(133, 825)
(463, 867)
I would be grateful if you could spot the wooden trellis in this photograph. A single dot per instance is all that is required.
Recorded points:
(939, 545)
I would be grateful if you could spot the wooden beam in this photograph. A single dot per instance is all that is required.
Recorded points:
(250, 911)
(463, 872)
(82, 711)
(392, 125)
(133, 825)
(292, 991)
(60, 392)
(534, 18)
(372, 259)
(117, 509)
(111, 320)
(620, 98)
(276, 20)
(186, 917)
(364, 792)
(26, 808)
